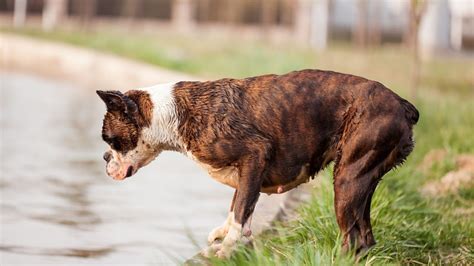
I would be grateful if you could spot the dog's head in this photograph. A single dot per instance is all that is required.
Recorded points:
(124, 128)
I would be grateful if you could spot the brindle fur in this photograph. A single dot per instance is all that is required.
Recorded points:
(127, 114)
(269, 127)
(278, 130)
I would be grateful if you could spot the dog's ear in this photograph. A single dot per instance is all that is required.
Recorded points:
(113, 100)
(116, 101)
(131, 106)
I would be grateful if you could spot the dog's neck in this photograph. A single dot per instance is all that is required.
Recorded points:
(163, 131)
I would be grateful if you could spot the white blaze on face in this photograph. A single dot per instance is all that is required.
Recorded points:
(122, 164)
(163, 132)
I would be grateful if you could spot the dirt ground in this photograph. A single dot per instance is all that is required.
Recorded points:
(460, 177)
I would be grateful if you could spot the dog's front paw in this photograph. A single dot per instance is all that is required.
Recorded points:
(219, 250)
(211, 250)
(225, 251)
(217, 233)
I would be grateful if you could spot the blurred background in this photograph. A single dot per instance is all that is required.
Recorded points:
(57, 205)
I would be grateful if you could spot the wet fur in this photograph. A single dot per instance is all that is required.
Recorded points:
(269, 127)
(276, 131)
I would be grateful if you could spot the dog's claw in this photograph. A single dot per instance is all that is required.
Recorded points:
(217, 233)
(224, 252)
(211, 250)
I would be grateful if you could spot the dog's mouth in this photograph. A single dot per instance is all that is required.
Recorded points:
(129, 171)
(123, 174)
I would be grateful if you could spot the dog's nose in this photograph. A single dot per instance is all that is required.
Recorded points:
(107, 156)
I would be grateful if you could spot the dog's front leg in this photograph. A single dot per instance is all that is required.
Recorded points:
(221, 231)
(250, 181)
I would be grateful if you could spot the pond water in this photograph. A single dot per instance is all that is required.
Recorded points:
(59, 207)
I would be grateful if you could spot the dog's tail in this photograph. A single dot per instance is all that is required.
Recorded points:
(411, 113)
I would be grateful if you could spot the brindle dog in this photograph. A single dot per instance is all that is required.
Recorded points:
(268, 134)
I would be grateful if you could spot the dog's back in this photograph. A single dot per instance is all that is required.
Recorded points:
(299, 118)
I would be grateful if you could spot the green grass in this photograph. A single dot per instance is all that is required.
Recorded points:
(409, 228)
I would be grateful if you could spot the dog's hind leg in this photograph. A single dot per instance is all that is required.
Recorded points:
(352, 194)
(364, 158)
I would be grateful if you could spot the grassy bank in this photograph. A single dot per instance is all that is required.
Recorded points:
(212, 56)
(410, 228)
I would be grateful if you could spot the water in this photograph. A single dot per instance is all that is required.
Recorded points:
(59, 207)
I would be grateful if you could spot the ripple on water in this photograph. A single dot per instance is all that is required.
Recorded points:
(58, 207)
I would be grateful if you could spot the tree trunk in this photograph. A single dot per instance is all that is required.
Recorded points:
(182, 15)
(287, 16)
(204, 10)
(434, 29)
(360, 27)
(375, 23)
(319, 24)
(53, 12)
(233, 12)
(87, 10)
(456, 33)
(302, 20)
(269, 14)
(417, 8)
(19, 13)
(131, 8)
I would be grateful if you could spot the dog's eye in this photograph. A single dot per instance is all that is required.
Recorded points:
(105, 138)
(115, 144)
